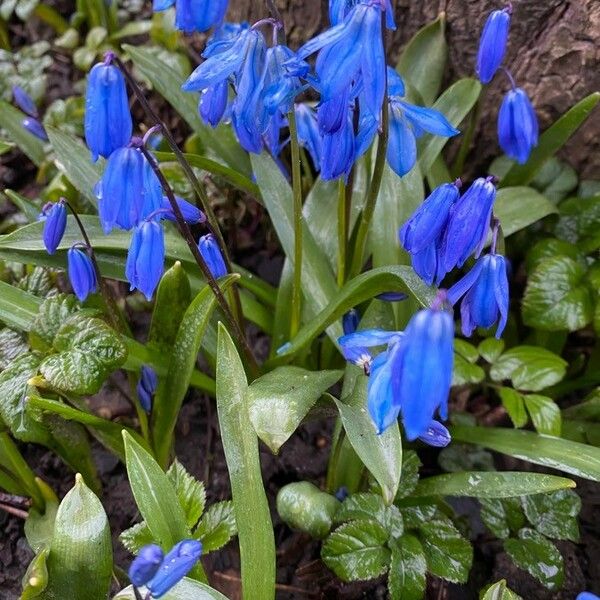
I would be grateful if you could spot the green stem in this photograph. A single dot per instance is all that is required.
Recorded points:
(342, 232)
(459, 163)
(297, 191)
(334, 457)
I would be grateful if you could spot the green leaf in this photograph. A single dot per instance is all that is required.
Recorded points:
(551, 141)
(501, 516)
(362, 506)
(39, 527)
(190, 492)
(574, 458)
(184, 590)
(155, 496)
(305, 507)
(545, 414)
(136, 537)
(51, 316)
(531, 368)
(356, 551)
(579, 222)
(410, 474)
(80, 559)
(448, 554)
(278, 401)
(10, 120)
(414, 514)
(423, 61)
(515, 406)
(485, 484)
(30, 208)
(255, 531)
(499, 591)
(173, 387)
(35, 579)
(465, 372)
(538, 556)
(217, 526)
(557, 296)
(12, 345)
(550, 248)
(554, 515)
(381, 454)
(408, 568)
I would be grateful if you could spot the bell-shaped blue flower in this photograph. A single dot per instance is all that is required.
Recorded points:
(108, 123)
(213, 103)
(308, 133)
(81, 273)
(338, 9)
(34, 127)
(146, 388)
(129, 190)
(24, 101)
(468, 224)
(492, 45)
(436, 435)
(191, 213)
(485, 291)
(178, 562)
(211, 253)
(145, 565)
(146, 258)
(517, 126)
(55, 223)
(428, 264)
(381, 403)
(338, 152)
(350, 321)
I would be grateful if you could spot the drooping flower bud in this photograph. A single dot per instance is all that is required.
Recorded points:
(108, 123)
(350, 321)
(517, 126)
(146, 387)
(145, 565)
(191, 213)
(25, 102)
(146, 258)
(492, 45)
(35, 128)
(55, 223)
(175, 566)
(81, 273)
(211, 253)
(436, 435)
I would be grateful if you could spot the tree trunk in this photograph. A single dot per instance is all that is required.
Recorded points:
(553, 53)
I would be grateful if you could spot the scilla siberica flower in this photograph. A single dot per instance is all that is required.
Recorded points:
(146, 388)
(55, 223)
(436, 435)
(108, 123)
(211, 253)
(195, 15)
(492, 45)
(81, 273)
(24, 101)
(412, 376)
(177, 563)
(190, 212)
(145, 565)
(146, 258)
(34, 127)
(517, 126)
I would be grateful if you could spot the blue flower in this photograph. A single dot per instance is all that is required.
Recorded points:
(436, 435)
(468, 224)
(129, 190)
(211, 253)
(175, 566)
(308, 133)
(338, 152)
(158, 5)
(146, 258)
(194, 15)
(191, 213)
(485, 291)
(338, 9)
(24, 101)
(587, 596)
(355, 346)
(81, 273)
(108, 123)
(35, 128)
(55, 223)
(350, 321)
(492, 44)
(146, 387)
(517, 126)
(213, 103)
(145, 565)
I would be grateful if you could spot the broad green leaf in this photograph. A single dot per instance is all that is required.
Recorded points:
(414, 515)
(410, 474)
(155, 496)
(305, 507)
(88, 351)
(455, 104)
(186, 589)
(515, 406)
(136, 537)
(381, 454)
(465, 372)
(30, 208)
(52, 314)
(485, 484)
(550, 248)
(217, 526)
(501, 516)
(35, 579)
(500, 591)
(557, 296)
(173, 297)
(456, 458)
(80, 560)
(12, 345)
(362, 506)
(278, 401)
(39, 526)
(448, 554)
(173, 387)
(554, 515)
(190, 493)
(538, 556)
(466, 350)
(422, 63)
(551, 141)
(577, 459)
(544, 413)
(579, 222)
(356, 550)
(240, 443)
(408, 568)
(10, 120)
(531, 368)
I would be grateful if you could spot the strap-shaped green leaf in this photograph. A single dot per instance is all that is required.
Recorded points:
(186, 589)
(10, 119)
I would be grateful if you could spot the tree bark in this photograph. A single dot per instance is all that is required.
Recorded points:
(553, 53)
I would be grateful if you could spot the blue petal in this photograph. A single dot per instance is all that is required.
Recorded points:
(213, 103)
(502, 293)
(54, 226)
(402, 145)
(395, 83)
(373, 67)
(369, 338)
(146, 563)
(436, 435)
(24, 101)
(211, 253)
(461, 287)
(380, 397)
(175, 566)
(428, 119)
(81, 273)
(159, 5)
(492, 45)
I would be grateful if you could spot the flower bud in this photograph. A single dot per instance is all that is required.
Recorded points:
(146, 258)
(146, 387)
(517, 126)
(24, 101)
(211, 253)
(492, 45)
(145, 565)
(81, 273)
(191, 213)
(55, 223)
(35, 128)
(350, 321)
(175, 566)
(436, 435)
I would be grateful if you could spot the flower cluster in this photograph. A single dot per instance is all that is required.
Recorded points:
(517, 122)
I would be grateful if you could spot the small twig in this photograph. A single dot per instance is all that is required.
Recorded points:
(16, 512)
(279, 586)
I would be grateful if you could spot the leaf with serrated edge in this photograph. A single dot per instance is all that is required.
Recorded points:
(408, 568)
(217, 526)
(190, 492)
(554, 515)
